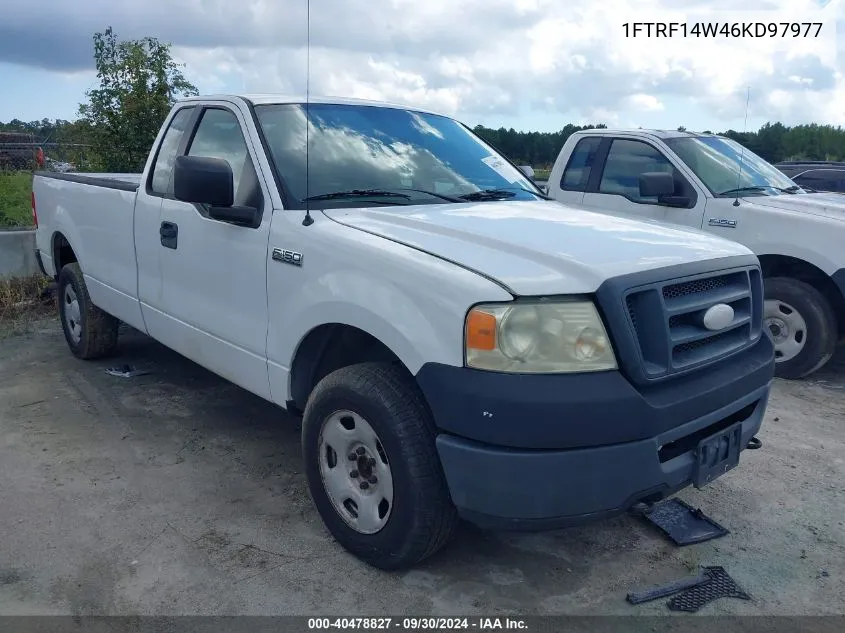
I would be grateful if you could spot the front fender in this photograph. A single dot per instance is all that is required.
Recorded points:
(413, 329)
(412, 302)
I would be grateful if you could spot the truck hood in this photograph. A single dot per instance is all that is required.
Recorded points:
(537, 247)
(827, 205)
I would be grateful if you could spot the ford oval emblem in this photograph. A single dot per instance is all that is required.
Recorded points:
(718, 317)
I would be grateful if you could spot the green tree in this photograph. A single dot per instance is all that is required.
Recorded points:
(138, 83)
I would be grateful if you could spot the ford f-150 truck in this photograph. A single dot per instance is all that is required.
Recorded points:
(712, 183)
(456, 345)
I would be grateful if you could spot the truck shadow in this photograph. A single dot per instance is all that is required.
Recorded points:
(833, 373)
(219, 426)
(477, 566)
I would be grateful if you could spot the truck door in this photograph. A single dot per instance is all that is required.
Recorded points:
(214, 273)
(614, 189)
(147, 217)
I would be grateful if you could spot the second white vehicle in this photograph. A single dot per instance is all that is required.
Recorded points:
(711, 183)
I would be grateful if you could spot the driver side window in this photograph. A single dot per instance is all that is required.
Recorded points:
(626, 160)
(219, 135)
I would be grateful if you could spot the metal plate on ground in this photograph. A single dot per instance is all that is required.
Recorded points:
(682, 523)
(717, 454)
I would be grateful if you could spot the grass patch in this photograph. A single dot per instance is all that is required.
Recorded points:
(15, 199)
(542, 174)
(23, 302)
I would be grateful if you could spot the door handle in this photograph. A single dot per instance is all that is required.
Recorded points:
(169, 234)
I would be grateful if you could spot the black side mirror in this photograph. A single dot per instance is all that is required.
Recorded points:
(209, 181)
(661, 185)
(204, 180)
(656, 184)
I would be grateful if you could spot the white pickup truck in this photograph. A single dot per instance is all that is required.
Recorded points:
(456, 345)
(695, 180)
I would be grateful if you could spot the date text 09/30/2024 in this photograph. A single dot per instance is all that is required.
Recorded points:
(419, 624)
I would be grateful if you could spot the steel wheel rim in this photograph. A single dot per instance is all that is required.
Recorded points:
(787, 327)
(355, 471)
(72, 314)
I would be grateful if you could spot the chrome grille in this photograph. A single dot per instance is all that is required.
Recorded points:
(667, 319)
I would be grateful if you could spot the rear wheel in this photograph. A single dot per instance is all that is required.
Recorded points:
(372, 466)
(802, 325)
(89, 332)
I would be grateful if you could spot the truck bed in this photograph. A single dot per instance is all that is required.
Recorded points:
(126, 182)
(94, 213)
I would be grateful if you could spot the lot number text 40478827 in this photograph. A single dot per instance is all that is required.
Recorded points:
(419, 624)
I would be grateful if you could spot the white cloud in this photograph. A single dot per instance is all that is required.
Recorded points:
(471, 58)
(644, 103)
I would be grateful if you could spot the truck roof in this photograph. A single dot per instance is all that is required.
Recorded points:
(662, 134)
(273, 98)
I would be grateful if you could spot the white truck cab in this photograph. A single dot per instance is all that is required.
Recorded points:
(711, 183)
(456, 344)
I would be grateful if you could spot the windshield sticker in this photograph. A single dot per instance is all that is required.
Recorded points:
(498, 164)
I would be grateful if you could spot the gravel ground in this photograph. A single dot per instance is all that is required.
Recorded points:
(177, 493)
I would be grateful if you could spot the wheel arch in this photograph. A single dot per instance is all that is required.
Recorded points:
(62, 252)
(328, 347)
(775, 265)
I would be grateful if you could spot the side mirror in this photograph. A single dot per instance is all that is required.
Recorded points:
(204, 180)
(528, 170)
(656, 184)
(209, 181)
(661, 185)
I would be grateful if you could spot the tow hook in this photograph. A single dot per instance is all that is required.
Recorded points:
(753, 444)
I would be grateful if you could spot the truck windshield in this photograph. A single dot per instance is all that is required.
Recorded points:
(716, 161)
(366, 155)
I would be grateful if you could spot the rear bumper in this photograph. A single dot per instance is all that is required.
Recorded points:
(532, 452)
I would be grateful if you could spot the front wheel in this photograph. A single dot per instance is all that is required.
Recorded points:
(372, 466)
(802, 325)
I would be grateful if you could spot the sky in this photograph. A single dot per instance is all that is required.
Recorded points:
(526, 64)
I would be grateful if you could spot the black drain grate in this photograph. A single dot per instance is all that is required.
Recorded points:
(720, 585)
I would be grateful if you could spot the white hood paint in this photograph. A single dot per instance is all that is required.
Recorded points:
(538, 247)
(826, 205)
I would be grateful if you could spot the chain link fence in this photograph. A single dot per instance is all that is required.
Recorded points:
(25, 152)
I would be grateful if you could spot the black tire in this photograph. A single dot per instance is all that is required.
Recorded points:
(821, 326)
(422, 518)
(99, 329)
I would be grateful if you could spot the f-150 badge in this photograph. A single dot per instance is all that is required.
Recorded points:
(728, 224)
(288, 257)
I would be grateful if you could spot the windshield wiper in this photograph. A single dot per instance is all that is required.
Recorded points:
(791, 190)
(741, 189)
(499, 193)
(357, 193)
(442, 196)
(390, 193)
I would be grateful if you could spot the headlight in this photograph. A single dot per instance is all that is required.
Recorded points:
(538, 337)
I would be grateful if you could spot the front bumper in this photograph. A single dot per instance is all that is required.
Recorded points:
(527, 452)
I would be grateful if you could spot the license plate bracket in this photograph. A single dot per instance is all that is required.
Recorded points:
(717, 454)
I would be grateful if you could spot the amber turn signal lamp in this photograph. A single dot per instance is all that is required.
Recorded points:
(481, 331)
